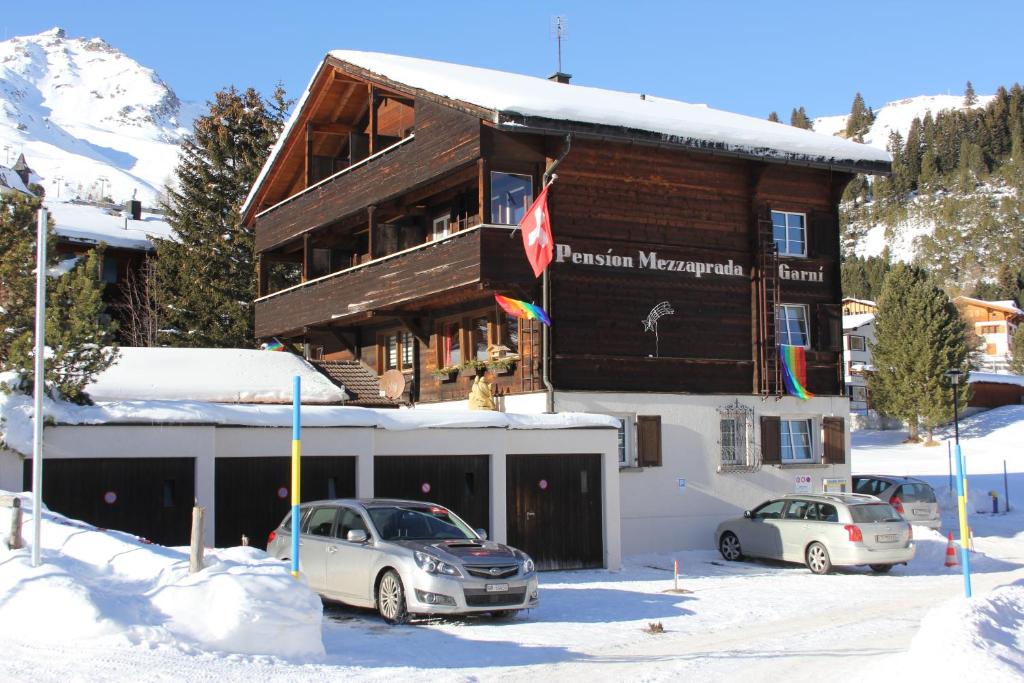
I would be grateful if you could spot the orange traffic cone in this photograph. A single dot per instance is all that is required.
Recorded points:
(951, 557)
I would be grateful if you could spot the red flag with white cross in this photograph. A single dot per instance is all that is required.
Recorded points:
(538, 241)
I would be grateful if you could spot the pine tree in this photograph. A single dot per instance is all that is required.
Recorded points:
(799, 119)
(860, 119)
(920, 336)
(1017, 352)
(970, 99)
(79, 340)
(773, 117)
(207, 278)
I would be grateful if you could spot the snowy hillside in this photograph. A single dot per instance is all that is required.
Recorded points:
(898, 116)
(88, 118)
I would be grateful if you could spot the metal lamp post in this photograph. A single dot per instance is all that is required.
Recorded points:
(961, 483)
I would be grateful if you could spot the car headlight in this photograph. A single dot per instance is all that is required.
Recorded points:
(432, 565)
(526, 562)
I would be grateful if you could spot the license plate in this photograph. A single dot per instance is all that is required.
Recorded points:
(497, 588)
(920, 513)
(887, 538)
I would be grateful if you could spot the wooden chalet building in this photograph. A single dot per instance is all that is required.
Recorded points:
(384, 227)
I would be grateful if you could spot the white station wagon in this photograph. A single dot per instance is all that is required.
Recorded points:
(821, 531)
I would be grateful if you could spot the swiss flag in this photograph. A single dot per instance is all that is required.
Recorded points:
(537, 238)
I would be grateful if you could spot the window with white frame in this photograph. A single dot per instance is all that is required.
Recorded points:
(440, 227)
(790, 232)
(627, 440)
(791, 320)
(511, 196)
(735, 427)
(796, 443)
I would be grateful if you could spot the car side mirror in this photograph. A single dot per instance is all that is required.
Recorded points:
(356, 536)
(482, 533)
(746, 514)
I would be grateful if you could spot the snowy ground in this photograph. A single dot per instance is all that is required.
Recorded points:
(108, 608)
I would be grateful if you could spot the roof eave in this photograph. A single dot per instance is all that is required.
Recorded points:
(519, 123)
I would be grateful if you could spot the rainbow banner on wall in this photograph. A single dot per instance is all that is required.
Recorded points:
(794, 371)
(521, 309)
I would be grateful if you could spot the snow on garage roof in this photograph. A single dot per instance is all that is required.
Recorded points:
(995, 378)
(92, 224)
(518, 100)
(215, 375)
(855, 320)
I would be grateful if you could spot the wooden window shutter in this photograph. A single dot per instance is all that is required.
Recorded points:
(835, 440)
(771, 441)
(648, 440)
(823, 235)
(829, 328)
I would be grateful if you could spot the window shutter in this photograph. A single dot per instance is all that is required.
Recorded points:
(823, 237)
(829, 328)
(648, 440)
(835, 440)
(771, 445)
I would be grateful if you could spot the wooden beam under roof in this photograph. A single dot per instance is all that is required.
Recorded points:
(332, 128)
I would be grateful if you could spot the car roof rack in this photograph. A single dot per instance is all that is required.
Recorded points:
(838, 497)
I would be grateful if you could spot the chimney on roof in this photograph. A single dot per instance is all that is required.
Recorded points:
(560, 77)
(21, 168)
(133, 209)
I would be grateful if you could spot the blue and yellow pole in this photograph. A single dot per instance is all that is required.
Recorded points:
(296, 457)
(961, 491)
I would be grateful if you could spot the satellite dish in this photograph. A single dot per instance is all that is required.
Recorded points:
(392, 384)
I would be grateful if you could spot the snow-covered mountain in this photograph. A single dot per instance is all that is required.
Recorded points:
(897, 115)
(90, 120)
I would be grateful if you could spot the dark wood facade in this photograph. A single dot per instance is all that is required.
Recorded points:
(635, 224)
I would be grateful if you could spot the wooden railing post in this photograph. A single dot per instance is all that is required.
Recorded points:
(195, 556)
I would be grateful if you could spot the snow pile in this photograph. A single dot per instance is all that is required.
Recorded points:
(89, 119)
(96, 584)
(981, 639)
(91, 224)
(214, 375)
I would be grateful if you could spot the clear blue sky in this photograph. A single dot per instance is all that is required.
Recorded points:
(749, 56)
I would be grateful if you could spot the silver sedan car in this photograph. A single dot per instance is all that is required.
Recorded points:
(821, 531)
(405, 557)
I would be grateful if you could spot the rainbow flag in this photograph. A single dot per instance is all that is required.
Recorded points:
(273, 345)
(521, 309)
(794, 371)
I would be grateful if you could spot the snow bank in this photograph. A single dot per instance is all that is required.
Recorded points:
(94, 584)
(215, 375)
(981, 639)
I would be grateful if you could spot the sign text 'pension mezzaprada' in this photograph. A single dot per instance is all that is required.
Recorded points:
(649, 260)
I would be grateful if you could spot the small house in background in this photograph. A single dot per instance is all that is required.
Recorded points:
(991, 390)
(994, 323)
(858, 335)
(853, 306)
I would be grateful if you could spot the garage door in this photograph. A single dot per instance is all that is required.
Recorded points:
(148, 497)
(554, 509)
(253, 494)
(458, 482)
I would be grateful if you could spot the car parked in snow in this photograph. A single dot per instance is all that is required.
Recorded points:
(821, 531)
(913, 499)
(405, 557)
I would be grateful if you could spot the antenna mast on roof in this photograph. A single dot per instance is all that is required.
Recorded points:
(559, 29)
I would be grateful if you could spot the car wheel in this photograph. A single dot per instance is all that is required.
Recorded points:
(729, 546)
(880, 568)
(504, 613)
(391, 598)
(817, 559)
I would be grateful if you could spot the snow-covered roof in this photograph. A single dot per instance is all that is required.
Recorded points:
(92, 224)
(1007, 306)
(516, 100)
(215, 375)
(995, 378)
(10, 180)
(852, 300)
(852, 322)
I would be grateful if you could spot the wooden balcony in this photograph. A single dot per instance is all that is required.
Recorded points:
(409, 282)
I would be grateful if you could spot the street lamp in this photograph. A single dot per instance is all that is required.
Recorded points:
(954, 376)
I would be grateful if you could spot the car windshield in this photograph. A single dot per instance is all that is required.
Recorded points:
(418, 523)
(874, 512)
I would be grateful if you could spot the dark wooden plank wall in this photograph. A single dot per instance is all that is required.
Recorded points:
(445, 140)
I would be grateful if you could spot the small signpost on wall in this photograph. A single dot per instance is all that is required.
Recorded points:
(833, 485)
(681, 483)
(803, 483)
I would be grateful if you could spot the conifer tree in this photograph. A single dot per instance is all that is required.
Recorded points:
(799, 119)
(79, 340)
(970, 99)
(1017, 352)
(860, 119)
(773, 117)
(207, 277)
(920, 335)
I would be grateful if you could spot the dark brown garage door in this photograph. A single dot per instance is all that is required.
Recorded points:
(148, 497)
(253, 494)
(458, 482)
(554, 509)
